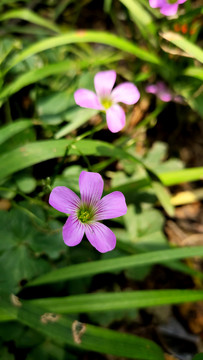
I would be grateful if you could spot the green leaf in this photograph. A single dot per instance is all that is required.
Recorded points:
(93, 338)
(50, 243)
(7, 131)
(117, 300)
(144, 228)
(25, 182)
(164, 197)
(28, 15)
(15, 250)
(184, 44)
(84, 36)
(121, 263)
(54, 103)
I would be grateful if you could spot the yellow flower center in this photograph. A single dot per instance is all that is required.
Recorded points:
(85, 214)
(106, 102)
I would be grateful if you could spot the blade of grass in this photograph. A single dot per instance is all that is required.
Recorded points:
(30, 16)
(82, 37)
(35, 75)
(7, 131)
(141, 17)
(121, 263)
(116, 300)
(92, 338)
(195, 72)
(34, 153)
(170, 178)
(184, 44)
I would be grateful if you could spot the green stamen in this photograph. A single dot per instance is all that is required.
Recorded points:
(85, 214)
(171, 1)
(106, 102)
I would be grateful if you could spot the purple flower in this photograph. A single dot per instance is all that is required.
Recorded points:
(163, 92)
(87, 211)
(167, 7)
(107, 100)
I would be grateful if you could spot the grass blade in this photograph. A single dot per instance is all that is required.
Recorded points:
(117, 300)
(82, 37)
(184, 44)
(36, 152)
(181, 176)
(121, 263)
(93, 338)
(30, 16)
(195, 72)
(7, 131)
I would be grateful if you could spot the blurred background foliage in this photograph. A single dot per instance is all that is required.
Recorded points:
(74, 303)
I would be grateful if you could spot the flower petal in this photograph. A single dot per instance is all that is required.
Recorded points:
(165, 96)
(161, 90)
(73, 231)
(91, 187)
(169, 9)
(152, 89)
(87, 99)
(104, 82)
(111, 206)
(115, 117)
(127, 93)
(181, 1)
(101, 237)
(64, 199)
(155, 3)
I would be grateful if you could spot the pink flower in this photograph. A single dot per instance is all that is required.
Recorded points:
(87, 211)
(163, 92)
(167, 7)
(107, 100)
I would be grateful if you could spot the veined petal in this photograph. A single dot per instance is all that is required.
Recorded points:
(126, 93)
(115, 117)
(64, 199)
(87, 99)
(104, 82)
(155, 3)
(111, 206)
(91, 187)
(101, 237)
(169, 9)
(73, 231)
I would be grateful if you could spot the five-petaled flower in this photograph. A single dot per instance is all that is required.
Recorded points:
(85, 213)
(161, 90)
(167, 7)
(107, 99)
